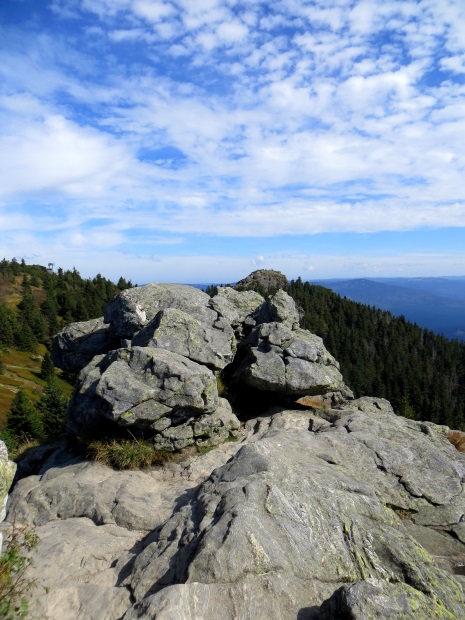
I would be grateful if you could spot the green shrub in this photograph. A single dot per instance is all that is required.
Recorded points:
(14, 560)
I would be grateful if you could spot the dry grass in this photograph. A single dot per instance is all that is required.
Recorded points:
(312, 402)
(457, 439)
(24, 446)
(6, 398)
(127, 453)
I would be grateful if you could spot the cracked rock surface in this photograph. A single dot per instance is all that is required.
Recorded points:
(347, 512)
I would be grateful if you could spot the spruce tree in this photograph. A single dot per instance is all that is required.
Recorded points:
(52, 405)
(47, 369)
(23, 419)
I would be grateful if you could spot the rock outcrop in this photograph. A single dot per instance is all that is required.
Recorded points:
(78, 343)
(262, 280)
(336, 509)
(7, 473)
(348, 512)
(279, 359)
(173, 341)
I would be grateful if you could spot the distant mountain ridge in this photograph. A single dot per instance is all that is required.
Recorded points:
(437, 304)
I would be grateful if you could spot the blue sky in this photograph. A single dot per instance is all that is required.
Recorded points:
(196, 141)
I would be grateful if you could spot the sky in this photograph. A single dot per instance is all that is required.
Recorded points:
(198, 140)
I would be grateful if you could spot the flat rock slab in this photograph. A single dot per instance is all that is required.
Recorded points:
(76, 572)
(316, 515)
(86, 517)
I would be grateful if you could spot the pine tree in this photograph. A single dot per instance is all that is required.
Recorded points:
(7, 327)
(47, 368)
(25, 339)
(52, 405)
(23, 419)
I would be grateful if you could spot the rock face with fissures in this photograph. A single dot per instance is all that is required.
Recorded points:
(337, 513)
(338, 509)
(174, 342)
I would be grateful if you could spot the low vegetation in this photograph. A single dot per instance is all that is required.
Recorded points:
(457, 439)
(130, 453)
(15, 558)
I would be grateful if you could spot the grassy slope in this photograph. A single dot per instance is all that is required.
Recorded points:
(22, 370)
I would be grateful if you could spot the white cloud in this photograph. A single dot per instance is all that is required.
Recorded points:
(291, 118)
(54, 155)
(153, 11)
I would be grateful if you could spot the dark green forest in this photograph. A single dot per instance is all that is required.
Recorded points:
(47, 301)
(35, 303)
(420, 373)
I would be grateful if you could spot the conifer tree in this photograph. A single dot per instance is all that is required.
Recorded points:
(52, 405)
(47, 368)
(23, 419)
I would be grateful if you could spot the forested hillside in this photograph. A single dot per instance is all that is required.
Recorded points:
(35, 303)
(421, 373)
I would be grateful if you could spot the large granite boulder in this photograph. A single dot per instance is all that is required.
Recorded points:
(278, 359)
(262, 280)
(279, 308)
(76, 345)
(142, 387)
(238, 308)
(172, 337)
(134, 308)
(178, 332)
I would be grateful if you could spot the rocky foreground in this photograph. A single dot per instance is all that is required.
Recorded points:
(322, 507)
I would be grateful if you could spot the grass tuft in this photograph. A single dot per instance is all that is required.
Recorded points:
(127, 453)
(457, 439)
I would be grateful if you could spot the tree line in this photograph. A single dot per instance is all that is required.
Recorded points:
(49, 301)
(421, 373)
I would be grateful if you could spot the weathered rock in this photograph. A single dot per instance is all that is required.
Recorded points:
(137, 387)
(76, 344)
(87, 489)
(316, 518)
(237, 307)
(262, 279)
(283, 528)
(76, 573)
(321, 513)
(207, 430)
(134, 308)
(7, 473)
(295, 362)
(177, 331)
(79, 566)
(279, 308)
